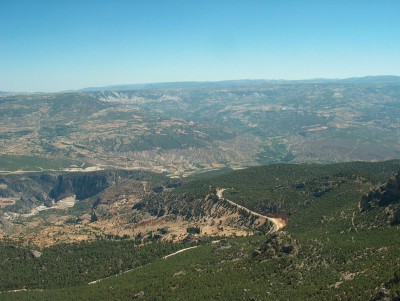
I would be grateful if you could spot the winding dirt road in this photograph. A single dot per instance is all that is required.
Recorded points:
(277, 223)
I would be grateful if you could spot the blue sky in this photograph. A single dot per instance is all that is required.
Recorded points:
(58, 45)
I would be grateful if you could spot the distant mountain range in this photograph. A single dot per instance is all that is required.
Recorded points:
(379, 79)
(382, 79)
(372, 79)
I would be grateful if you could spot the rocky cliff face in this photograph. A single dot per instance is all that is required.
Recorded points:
(28, 190)
(82, 185)
(130, 204)
(386, 196)
(105, 198)
(31, 190)
(209, 214)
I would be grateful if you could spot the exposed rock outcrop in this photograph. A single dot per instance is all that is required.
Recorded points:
(387, 197)
(279, 244)
(387, 291)
(386, 194)
(35, 189)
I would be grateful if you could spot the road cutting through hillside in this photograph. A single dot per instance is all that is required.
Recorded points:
(277, 223)
(139, 267)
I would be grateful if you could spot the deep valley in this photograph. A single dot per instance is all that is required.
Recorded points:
(240, 191)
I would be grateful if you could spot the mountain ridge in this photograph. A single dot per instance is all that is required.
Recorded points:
(369, 79)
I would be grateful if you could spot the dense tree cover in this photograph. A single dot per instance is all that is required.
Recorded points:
(321, 270)
(73, 264)
(332, 249)
(13, 163)
(292, 187)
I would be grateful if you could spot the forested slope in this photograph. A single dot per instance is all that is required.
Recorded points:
(334, 247)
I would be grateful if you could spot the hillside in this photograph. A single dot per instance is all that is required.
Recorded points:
(184, 130)
(200, 150)
(340, 243)
(52, 208)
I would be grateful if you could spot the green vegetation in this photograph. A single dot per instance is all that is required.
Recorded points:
(193, 230)
(350, 270)
(330, 249)
(292, 187)
(276, 152)
(74, 264)
(25, 163)
(190, 129)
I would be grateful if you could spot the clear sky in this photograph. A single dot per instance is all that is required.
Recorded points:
(66, 44)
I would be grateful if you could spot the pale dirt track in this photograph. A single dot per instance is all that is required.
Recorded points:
(165, 257)
(180, 251)
(277, 223)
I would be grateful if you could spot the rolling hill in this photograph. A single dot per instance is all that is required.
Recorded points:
(340, 243)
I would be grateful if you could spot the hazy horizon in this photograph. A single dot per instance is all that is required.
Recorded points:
(205, 81)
